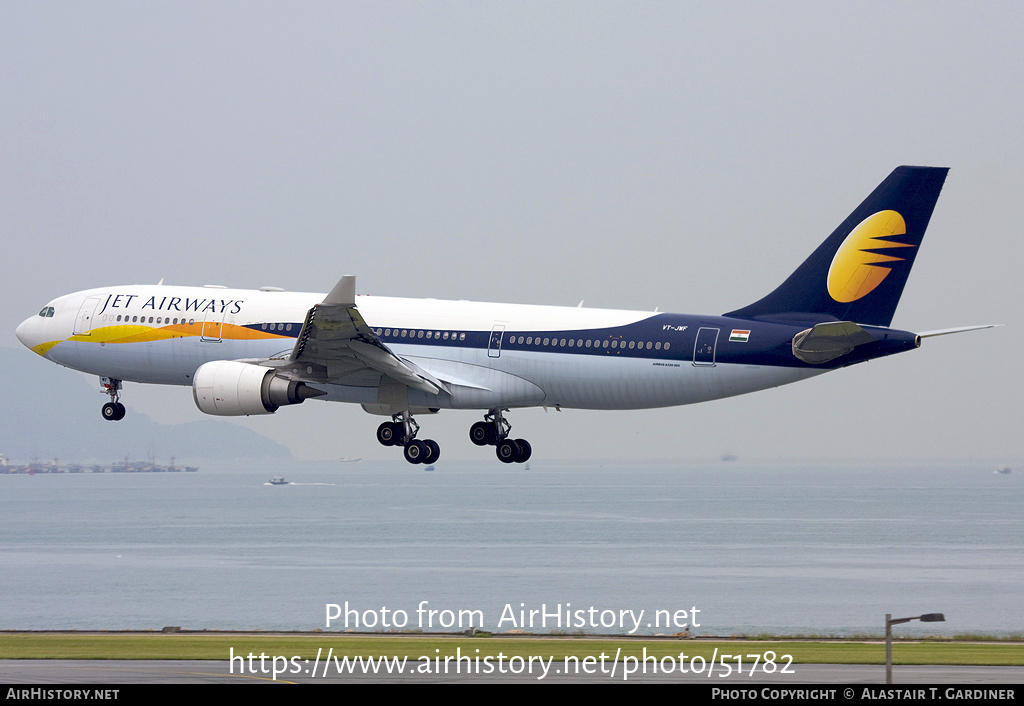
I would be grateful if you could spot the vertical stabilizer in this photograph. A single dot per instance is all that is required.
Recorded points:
(859, 272)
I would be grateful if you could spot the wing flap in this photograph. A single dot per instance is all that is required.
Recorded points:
(380, 358)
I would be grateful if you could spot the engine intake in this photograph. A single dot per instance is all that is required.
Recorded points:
(229, 389)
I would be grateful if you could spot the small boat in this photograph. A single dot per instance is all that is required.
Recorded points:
(279, 480)
(1005, 470)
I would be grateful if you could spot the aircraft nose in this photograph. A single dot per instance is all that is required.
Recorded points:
(22, 332)
(28, 333)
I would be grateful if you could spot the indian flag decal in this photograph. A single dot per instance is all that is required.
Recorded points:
(739, 336)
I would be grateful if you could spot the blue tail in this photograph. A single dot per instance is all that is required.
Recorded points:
(858, 273)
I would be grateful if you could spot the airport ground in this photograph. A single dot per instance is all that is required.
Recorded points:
(235, 657)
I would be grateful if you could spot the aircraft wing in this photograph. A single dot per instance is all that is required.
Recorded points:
(336, 346)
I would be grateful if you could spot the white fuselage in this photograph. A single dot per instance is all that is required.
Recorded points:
(489, 355)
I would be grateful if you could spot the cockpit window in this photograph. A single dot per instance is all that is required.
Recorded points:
(46, 312)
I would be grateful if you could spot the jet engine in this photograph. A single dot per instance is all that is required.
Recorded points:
(227, 388)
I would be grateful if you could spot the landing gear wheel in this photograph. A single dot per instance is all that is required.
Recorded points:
(113, 411)
(482, 434)
(433, 451)
(508, 451)
(415, 452)
(389, 433)
(525, 451)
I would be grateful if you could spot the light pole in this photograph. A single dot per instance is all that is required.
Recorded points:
(889, 622)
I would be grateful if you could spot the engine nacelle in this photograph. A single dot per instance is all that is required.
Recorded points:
(231, 389)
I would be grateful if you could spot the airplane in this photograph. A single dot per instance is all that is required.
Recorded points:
(247, 352)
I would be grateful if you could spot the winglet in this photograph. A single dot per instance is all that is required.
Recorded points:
(344, 292)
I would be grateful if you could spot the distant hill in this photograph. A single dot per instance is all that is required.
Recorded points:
(44, 418)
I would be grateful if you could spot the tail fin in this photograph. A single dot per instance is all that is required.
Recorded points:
(858, 273)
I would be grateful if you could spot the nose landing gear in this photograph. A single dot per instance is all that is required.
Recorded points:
(112, 411)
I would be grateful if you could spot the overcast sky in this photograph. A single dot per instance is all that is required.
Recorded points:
(682, 155)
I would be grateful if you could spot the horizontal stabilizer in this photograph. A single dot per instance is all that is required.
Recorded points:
(829, 341)
(947, 331)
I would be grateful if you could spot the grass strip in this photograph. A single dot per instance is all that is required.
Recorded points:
(220, 646)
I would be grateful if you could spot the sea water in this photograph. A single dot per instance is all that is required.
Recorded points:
(719, 549)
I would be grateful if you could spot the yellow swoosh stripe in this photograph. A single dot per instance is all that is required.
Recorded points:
(145, 334)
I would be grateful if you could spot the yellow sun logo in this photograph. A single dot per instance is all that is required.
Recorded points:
(857, 266)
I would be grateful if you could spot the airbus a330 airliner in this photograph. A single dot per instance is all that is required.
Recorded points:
(252, 351)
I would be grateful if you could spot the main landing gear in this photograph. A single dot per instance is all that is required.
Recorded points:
(493, 431)
(113, 410)
(401, 431)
